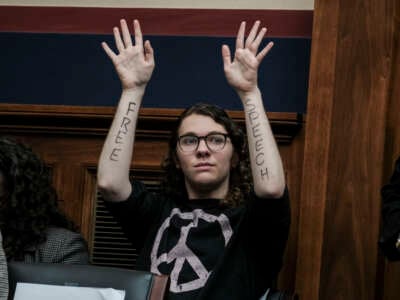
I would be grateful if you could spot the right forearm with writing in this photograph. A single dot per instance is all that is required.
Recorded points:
(116, 155)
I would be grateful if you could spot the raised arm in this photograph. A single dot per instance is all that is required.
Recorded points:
(242, 74)
(134, 65)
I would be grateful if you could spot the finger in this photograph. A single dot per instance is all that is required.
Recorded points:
(108, 51)
(125, 33)
(226, 55)
(240, 36)
(148, 52)
(138, 33)
(252, 34)
(260, 56)
(118, 40)
(256, 43)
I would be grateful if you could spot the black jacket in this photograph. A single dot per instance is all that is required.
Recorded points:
(391, 215)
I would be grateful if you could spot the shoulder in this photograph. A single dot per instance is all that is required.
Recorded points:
(392, 187)
(63, 237)
(397, 166)
(59, 232)
(58, 235)
(261, 212)
(63, 246)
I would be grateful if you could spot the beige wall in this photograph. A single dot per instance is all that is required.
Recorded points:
(225, 4)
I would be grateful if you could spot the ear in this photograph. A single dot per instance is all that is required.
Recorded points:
(234, 160)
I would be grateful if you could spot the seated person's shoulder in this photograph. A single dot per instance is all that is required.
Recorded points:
(59, 233)
(64, 246)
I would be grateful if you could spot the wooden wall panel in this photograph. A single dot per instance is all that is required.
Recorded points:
(390, 274)
(315, 176)
(350, 77)
(70, 139)
(292, 158)
(356, 151)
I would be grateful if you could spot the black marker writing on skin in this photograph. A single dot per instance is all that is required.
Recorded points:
(255, 125)
(114, 154)
(122, 132)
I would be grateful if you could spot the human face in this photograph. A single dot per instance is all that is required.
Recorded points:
(206, 172)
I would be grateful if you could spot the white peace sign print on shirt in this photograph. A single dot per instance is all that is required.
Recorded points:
(181, 253)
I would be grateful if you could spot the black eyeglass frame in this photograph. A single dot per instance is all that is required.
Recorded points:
(204, 137)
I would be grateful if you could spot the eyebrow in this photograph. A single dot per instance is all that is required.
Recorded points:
(211, 132)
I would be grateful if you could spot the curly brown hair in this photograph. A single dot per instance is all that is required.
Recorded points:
(29, 204)
(173, 183)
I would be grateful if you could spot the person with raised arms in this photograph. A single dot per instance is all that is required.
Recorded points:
(220, 223)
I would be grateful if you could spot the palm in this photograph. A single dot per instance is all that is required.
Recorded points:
(241, 73)
(132, 69)
(134, 63)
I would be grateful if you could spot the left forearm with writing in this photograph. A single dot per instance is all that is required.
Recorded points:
(265, 160)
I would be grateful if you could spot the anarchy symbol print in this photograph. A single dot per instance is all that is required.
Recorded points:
(181, 253)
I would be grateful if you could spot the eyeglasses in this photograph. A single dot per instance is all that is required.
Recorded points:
(215, 141)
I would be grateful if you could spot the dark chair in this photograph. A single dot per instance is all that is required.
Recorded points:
(138, 285)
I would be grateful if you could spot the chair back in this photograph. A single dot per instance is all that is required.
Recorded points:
(138, 285)
(274, 294)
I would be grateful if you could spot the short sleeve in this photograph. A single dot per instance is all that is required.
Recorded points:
(267, 225)
(137, 214)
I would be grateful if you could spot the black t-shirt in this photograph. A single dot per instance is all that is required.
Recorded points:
(209, 250)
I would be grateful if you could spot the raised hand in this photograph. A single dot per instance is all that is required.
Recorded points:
(241, 73)
(134, 63)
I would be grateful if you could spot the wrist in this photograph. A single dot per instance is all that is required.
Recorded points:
(250, 93)
(135, 87)
(134, 91)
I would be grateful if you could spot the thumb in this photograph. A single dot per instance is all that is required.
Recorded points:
(148, 51)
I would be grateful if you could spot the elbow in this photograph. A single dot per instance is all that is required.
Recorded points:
(270, 191)
(105, 187)
(110, 190)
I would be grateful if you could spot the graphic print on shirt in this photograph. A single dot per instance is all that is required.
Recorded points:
(181, 253)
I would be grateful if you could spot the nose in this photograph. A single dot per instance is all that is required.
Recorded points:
(202, 149)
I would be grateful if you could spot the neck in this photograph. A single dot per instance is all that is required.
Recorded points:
(207, 191)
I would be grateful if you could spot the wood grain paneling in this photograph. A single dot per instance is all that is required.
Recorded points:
(189, 22)
(292, 158)
(350, 78)
(389, 277)
(319, 122)
(70, 138)
(356, 150)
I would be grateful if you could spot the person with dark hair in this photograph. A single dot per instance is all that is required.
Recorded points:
(240, 174)
(220, 223)
(33, 227)
(390, 234)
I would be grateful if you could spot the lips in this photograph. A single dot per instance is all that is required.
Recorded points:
(203, 164)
